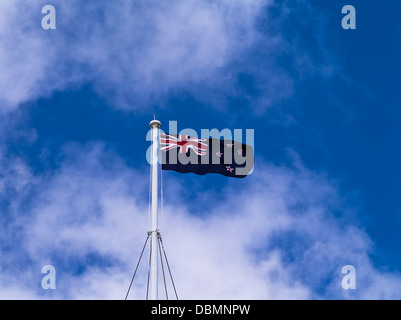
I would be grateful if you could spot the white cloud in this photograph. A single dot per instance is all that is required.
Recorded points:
(133, 52)
(276, 235)
(283, 233)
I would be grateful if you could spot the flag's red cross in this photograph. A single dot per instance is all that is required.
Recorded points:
(184, 143)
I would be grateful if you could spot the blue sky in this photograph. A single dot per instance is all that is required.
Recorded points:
(75, 107)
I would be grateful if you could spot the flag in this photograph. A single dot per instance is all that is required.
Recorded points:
(185, 154)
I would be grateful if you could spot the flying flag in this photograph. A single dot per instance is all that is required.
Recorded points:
(185, 154)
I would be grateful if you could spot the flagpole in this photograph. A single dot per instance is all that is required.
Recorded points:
(155, 126)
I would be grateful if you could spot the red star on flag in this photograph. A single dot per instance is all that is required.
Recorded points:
(229, 169)
(219, 154)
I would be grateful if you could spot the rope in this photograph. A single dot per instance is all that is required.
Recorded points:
(150, 192)
(161, 190)
(136, 269)
(143, 249)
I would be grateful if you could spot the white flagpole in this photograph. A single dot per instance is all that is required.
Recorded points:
(155, 125)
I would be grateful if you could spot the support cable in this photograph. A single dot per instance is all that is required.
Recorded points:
(162, 264)
(168, 266)
(150, 261)
(136, 269)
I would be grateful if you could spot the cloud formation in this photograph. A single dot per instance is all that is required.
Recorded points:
(132, 52)
(282, 234)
